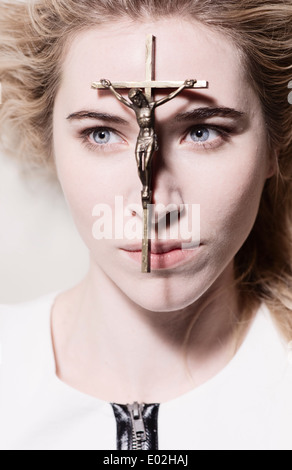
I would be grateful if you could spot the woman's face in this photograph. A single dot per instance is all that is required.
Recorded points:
(212, 152)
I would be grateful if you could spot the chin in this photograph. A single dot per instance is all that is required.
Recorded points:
(165, 307)
(161, 300)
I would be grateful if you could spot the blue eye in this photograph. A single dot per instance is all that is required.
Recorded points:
(103, 139)
(101, 136)
(203, 134)
(203, 137)
(104, 136)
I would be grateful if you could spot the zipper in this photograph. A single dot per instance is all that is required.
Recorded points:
(138, 426)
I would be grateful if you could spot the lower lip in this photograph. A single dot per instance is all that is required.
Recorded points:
(167, 260)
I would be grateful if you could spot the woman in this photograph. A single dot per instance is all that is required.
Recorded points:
(198, 347)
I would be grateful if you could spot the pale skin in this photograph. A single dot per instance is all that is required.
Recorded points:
(119, 335)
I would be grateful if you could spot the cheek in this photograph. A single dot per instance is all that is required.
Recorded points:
(230, 208)
(84, 185)
(89, 180)
(85, 193)
(228, 185)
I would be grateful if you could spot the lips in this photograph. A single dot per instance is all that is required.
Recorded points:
(160, 248)
(164, 255)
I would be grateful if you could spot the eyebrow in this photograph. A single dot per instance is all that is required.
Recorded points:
(195, 114)
(205, 113)
(94, 115)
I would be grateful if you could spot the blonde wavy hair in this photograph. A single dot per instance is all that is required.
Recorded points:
(33, 37)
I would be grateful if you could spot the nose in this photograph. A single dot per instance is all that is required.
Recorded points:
(167, 197)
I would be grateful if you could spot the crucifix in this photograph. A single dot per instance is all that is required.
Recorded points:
(143, 104)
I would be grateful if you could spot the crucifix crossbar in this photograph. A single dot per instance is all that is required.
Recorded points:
(147, 139)
(150, 83)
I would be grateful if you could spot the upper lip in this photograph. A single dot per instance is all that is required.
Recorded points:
(158, 248)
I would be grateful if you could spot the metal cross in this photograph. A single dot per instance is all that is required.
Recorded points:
(148, 85)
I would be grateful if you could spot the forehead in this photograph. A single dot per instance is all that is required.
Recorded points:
(183, 50)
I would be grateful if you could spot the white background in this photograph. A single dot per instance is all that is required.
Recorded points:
(40, 249)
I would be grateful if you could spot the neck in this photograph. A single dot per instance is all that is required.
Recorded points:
(125, 353)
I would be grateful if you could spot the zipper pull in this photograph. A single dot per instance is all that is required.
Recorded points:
(139, 431)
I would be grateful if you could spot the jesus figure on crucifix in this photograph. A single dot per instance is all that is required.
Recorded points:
(147, 142)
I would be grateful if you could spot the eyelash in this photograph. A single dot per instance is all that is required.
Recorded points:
(85, 134)
(224, 135)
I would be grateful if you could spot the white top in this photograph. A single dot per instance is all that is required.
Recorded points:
(247, 406)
